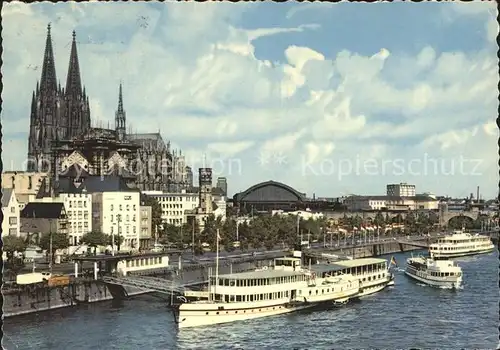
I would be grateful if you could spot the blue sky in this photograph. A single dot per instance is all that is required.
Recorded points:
(330, 99)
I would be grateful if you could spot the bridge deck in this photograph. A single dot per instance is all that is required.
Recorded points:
(152, 284)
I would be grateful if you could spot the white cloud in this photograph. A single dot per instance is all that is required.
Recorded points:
(191, 71)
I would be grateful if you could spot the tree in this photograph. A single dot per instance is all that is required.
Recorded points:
(379, 219)
(156, 211)
(13, 244)
(118, 240)
(94, 239)
(59, 241)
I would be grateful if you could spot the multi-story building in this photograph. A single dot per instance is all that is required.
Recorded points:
(356, 203)
(79, 212)
(220, 207)
(401, 190)
(11, 213)
(174, 205)
(391, 203)
(118, 213)
(39, 218)
(146, 217)
(222, 184)
(27, 185)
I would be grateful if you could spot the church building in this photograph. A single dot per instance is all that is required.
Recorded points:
(63, 143)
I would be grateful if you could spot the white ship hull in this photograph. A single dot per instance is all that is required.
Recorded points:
(451, 255)
(454, 284)
(197, 318)
(375, 287)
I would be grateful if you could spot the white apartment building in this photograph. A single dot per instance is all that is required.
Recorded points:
(401, 190)
(174, 205)
(79, 211)
(118, 213)
(10, 210)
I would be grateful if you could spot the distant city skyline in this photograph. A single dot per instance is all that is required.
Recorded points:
(267, 92)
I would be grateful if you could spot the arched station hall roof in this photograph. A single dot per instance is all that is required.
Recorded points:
(270, 191)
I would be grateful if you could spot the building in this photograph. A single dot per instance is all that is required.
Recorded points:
(56, 113)
(222, 184)
(220, 207)
(303, 214)
(11, 213)
(174, 206)
(391, 203)
(78, 208)
(189, 177)
(357, 203)
(39, 218)
(118, 213)
(27, 185)
(63, 143)
(401, 190)
(268, 196)
(145, 230)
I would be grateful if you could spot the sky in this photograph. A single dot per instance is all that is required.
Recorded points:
(330, 99)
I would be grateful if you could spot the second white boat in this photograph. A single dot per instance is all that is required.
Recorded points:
(436, 273)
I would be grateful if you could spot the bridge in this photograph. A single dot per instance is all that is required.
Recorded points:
(444, 216)
(152, 284)
(419, 244)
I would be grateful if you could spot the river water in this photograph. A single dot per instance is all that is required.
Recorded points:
(409, 315)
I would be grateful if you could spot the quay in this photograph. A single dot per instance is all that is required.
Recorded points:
(179, 276)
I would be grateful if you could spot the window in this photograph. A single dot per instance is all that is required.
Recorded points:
(12, 220)
(110, 207)
(12, 209)
(134, 229)
(12, 232)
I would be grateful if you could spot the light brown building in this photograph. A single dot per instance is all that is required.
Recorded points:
(27, 185)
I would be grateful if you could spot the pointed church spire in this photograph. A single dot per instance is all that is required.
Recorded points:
(73, 81)
(48, 81)
(120, 100)
(120, 116)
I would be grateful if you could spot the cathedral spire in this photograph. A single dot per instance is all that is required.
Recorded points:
(120, 116)
(73, 81)
(48, 81)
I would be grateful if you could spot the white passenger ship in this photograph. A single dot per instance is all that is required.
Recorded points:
(460, 243)
(372, 273)
(281, 289)
(436, 273)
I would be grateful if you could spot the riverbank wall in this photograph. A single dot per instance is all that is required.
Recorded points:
(32, 299)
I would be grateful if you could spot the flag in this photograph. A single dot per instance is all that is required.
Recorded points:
(393, 262)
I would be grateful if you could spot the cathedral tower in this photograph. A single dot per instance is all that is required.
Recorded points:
(45, 115)
(120, 117)
(76, 119)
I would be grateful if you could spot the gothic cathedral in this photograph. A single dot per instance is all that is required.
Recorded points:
(63, 143)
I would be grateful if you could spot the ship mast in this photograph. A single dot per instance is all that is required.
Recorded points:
(216, 265)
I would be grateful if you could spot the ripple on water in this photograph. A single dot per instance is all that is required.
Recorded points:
(405, 316)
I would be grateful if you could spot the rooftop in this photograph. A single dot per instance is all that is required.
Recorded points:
(118, 257)
(93, 184)
(6, 194)
(43, 210)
